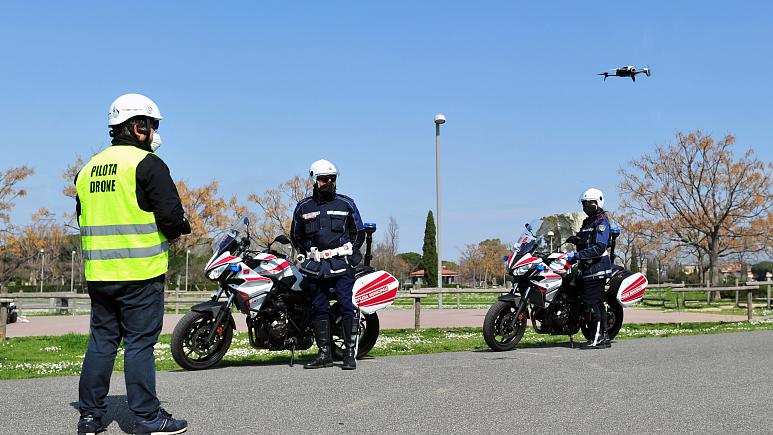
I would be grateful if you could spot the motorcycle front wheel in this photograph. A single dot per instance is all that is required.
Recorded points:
(614, 319)
(500, 328)
(369, 330)
(190, 347)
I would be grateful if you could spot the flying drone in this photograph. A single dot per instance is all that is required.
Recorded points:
(626, 71)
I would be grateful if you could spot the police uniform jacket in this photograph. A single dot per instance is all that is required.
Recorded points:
(327, 225)
(592, 253)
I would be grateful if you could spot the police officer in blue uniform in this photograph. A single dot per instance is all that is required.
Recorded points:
(595, 265)
(328, 231)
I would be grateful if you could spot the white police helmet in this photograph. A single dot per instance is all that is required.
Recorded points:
(322, 167)
(131, 105)
(593, 195)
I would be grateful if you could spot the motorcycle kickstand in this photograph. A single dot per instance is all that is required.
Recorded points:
(292, 353)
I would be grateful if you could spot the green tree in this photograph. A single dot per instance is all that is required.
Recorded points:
(412, 258)
(652, 270)
(634, 261)
(760, 269)
(429, 250)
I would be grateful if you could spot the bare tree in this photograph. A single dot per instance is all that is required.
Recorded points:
(700, 194)
(9, 192)
(275, 207)
(471, 261)
(385, 252)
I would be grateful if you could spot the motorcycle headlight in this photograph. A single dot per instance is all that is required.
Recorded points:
(216, 272)
(521, 270)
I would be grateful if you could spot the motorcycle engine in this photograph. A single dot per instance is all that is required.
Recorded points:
(554, 318)
(277, 328)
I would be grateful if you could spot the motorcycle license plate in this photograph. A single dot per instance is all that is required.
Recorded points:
(374, 291)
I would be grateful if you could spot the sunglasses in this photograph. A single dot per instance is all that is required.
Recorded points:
(326, 178)
(154, 123)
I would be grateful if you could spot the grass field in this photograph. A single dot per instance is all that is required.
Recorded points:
(33, 357)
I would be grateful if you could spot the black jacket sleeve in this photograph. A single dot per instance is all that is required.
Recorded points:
(77, 200)
(297, 231)
(157, 193)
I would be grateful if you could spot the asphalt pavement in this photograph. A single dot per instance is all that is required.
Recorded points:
(714, 384)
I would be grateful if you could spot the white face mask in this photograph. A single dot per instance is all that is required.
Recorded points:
(156, 143)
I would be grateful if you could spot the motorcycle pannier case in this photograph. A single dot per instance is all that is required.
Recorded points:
(628, 287)
(374, 291)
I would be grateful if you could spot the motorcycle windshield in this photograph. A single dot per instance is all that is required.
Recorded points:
(224, 242)
(541, 234)
(528, 239)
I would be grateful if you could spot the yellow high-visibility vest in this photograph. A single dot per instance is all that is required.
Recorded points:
(120, 241)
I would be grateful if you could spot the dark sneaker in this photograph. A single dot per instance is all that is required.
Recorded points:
(90, 425)
(162, 424)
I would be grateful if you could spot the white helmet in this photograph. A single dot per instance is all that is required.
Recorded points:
(322, 167)
(593, 195)
(131, 105)
(156, 144)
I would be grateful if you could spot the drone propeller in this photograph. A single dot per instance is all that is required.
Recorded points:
(647, 71)
(605, 74)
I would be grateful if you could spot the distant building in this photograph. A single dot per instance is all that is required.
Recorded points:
(734, 270)
(450, 277)
(690, 269)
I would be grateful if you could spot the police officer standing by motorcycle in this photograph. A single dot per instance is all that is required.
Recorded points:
(328, 231)
(595, 265)
(129, 212)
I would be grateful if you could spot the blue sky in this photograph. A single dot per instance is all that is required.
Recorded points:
(253, 92)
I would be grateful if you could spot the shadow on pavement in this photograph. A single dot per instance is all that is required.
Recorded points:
(117, 411)
(566, 345)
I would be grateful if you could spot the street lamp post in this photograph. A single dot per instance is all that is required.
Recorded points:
(187, 253)
(72, 271)
(42, 257)
(439, 119)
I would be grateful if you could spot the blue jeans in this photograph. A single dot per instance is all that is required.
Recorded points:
(320, 291)
(133, 312)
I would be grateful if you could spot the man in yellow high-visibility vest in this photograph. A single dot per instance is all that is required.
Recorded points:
(129, 212)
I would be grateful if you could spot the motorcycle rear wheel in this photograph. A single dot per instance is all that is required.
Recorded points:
(614, 319)
(500, 330)
(369, 330)
(188, 346)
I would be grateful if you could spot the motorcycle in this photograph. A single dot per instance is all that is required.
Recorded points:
(269, 290)
(544, 292)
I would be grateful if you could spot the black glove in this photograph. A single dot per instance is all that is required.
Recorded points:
(186, 226)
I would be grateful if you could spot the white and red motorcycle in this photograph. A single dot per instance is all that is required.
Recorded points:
(268, 289)
(544, 291)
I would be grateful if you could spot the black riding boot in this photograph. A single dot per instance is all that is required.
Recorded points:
(350, 343)
(600, 339)
(322, 336)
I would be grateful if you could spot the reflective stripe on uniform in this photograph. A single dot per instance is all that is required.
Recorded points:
(119, 253)
(119, 230)
(338, 213)
(602, 273)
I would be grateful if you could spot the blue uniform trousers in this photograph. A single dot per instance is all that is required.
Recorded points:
(320, 291)
(132, 312)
